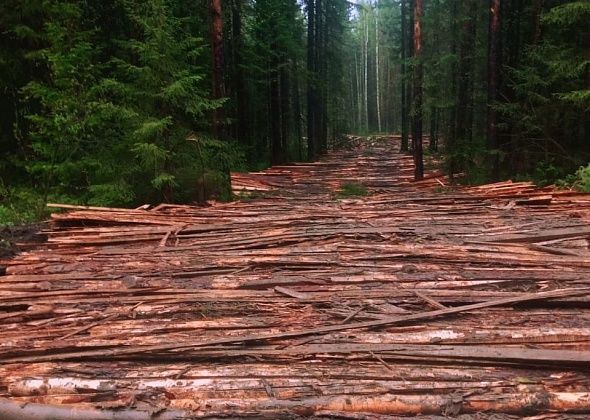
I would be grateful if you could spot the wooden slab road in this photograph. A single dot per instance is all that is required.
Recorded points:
(416, 299)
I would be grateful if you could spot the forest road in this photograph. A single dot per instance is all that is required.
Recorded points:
(334, 288)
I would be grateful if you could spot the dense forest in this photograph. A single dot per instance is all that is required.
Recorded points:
(123, 102)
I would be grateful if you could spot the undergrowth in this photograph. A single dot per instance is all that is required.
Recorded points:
(580, 180)
(21, 206)
(352, 190)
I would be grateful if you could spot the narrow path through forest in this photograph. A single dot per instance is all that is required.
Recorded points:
(414, 299)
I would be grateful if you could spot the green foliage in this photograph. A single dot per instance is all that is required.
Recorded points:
(577, 98)
(19, 206)
(160, 70)
(111, 194)
(124, 92)
(472, 155)
(272, 48)
(352, 190)
(580, 180)
(208, 175)
(547, 172)
(107, 102)
(552, 105)
(566, 16)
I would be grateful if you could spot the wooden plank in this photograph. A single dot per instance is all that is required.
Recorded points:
(292, 293)
(105, 353)
(546, 235)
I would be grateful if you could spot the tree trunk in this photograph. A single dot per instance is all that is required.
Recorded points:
(352, 97)
(377, 78)
(217, 70)
(311, 82)
(494, 55)
(390, 111)
(418, 75)
(516, 32)
(359, 95)
(433, 145)
(297, 112)
(588, 58)
(537, 9)
(285, 90)
(451, 138)
(510, 140)
(322, 71)
(464, 99)
(243, 134)
(275, 114)
(404, 76)
(410, 72)
(366, 64)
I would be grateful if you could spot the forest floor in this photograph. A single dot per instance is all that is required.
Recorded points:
(340, 288)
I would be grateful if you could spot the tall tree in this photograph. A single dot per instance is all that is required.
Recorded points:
(451, 140)
(377, 72)
(404, 76)
(277, 44)
(410, 73)
(322, 28)
(312, 138)
(494, 56)
(417, 107)
(296, 106)
(276, 143)
(217, 60)
(465, 83)
(243, 127)
(366, 69)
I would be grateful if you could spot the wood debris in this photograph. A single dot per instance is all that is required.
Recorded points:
(418, 299)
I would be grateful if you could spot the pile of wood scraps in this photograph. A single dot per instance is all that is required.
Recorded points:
(414, 300)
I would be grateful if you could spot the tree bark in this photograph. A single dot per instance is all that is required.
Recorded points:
(297, 117)
(537, 9)
(433, 145)
(322, 71)
(285, 93)
(464, 97)
(243, 134)
(588, 58)
(366, 64)
(217, 52)
(513, 52)
(275, 114)
(494, 55)
(359, 95)
(311, 82)
(377, 78)
(451, 137)
(404, 76)
(410, 72)
(418, 75)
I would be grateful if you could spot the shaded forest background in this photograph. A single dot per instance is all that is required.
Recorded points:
(123, 102)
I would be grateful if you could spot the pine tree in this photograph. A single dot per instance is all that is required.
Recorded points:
(494, 55)
(68, 134)
(550, 110)
(417, 107)
(165, 85)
